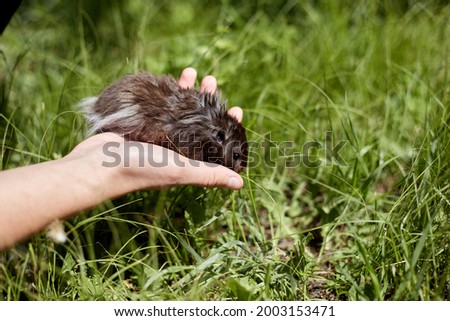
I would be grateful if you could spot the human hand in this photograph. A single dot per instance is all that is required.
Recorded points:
(208, 84)
(148, 166)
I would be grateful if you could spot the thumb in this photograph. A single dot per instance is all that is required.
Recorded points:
(211, 175)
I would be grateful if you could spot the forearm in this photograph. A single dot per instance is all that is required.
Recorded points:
(32, 197)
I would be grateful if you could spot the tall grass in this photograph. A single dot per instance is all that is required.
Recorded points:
(368, 220)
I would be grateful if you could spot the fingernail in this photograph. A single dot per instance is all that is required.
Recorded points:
(234, 183)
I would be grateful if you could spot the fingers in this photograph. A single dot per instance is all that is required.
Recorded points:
(187, 78)
(180, 170)
(209, 84)
(236, 112)
(165, 168)
(211, 175)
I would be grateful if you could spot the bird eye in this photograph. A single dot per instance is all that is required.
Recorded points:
(236, 156)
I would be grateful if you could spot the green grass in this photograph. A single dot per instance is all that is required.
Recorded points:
(373, 226)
